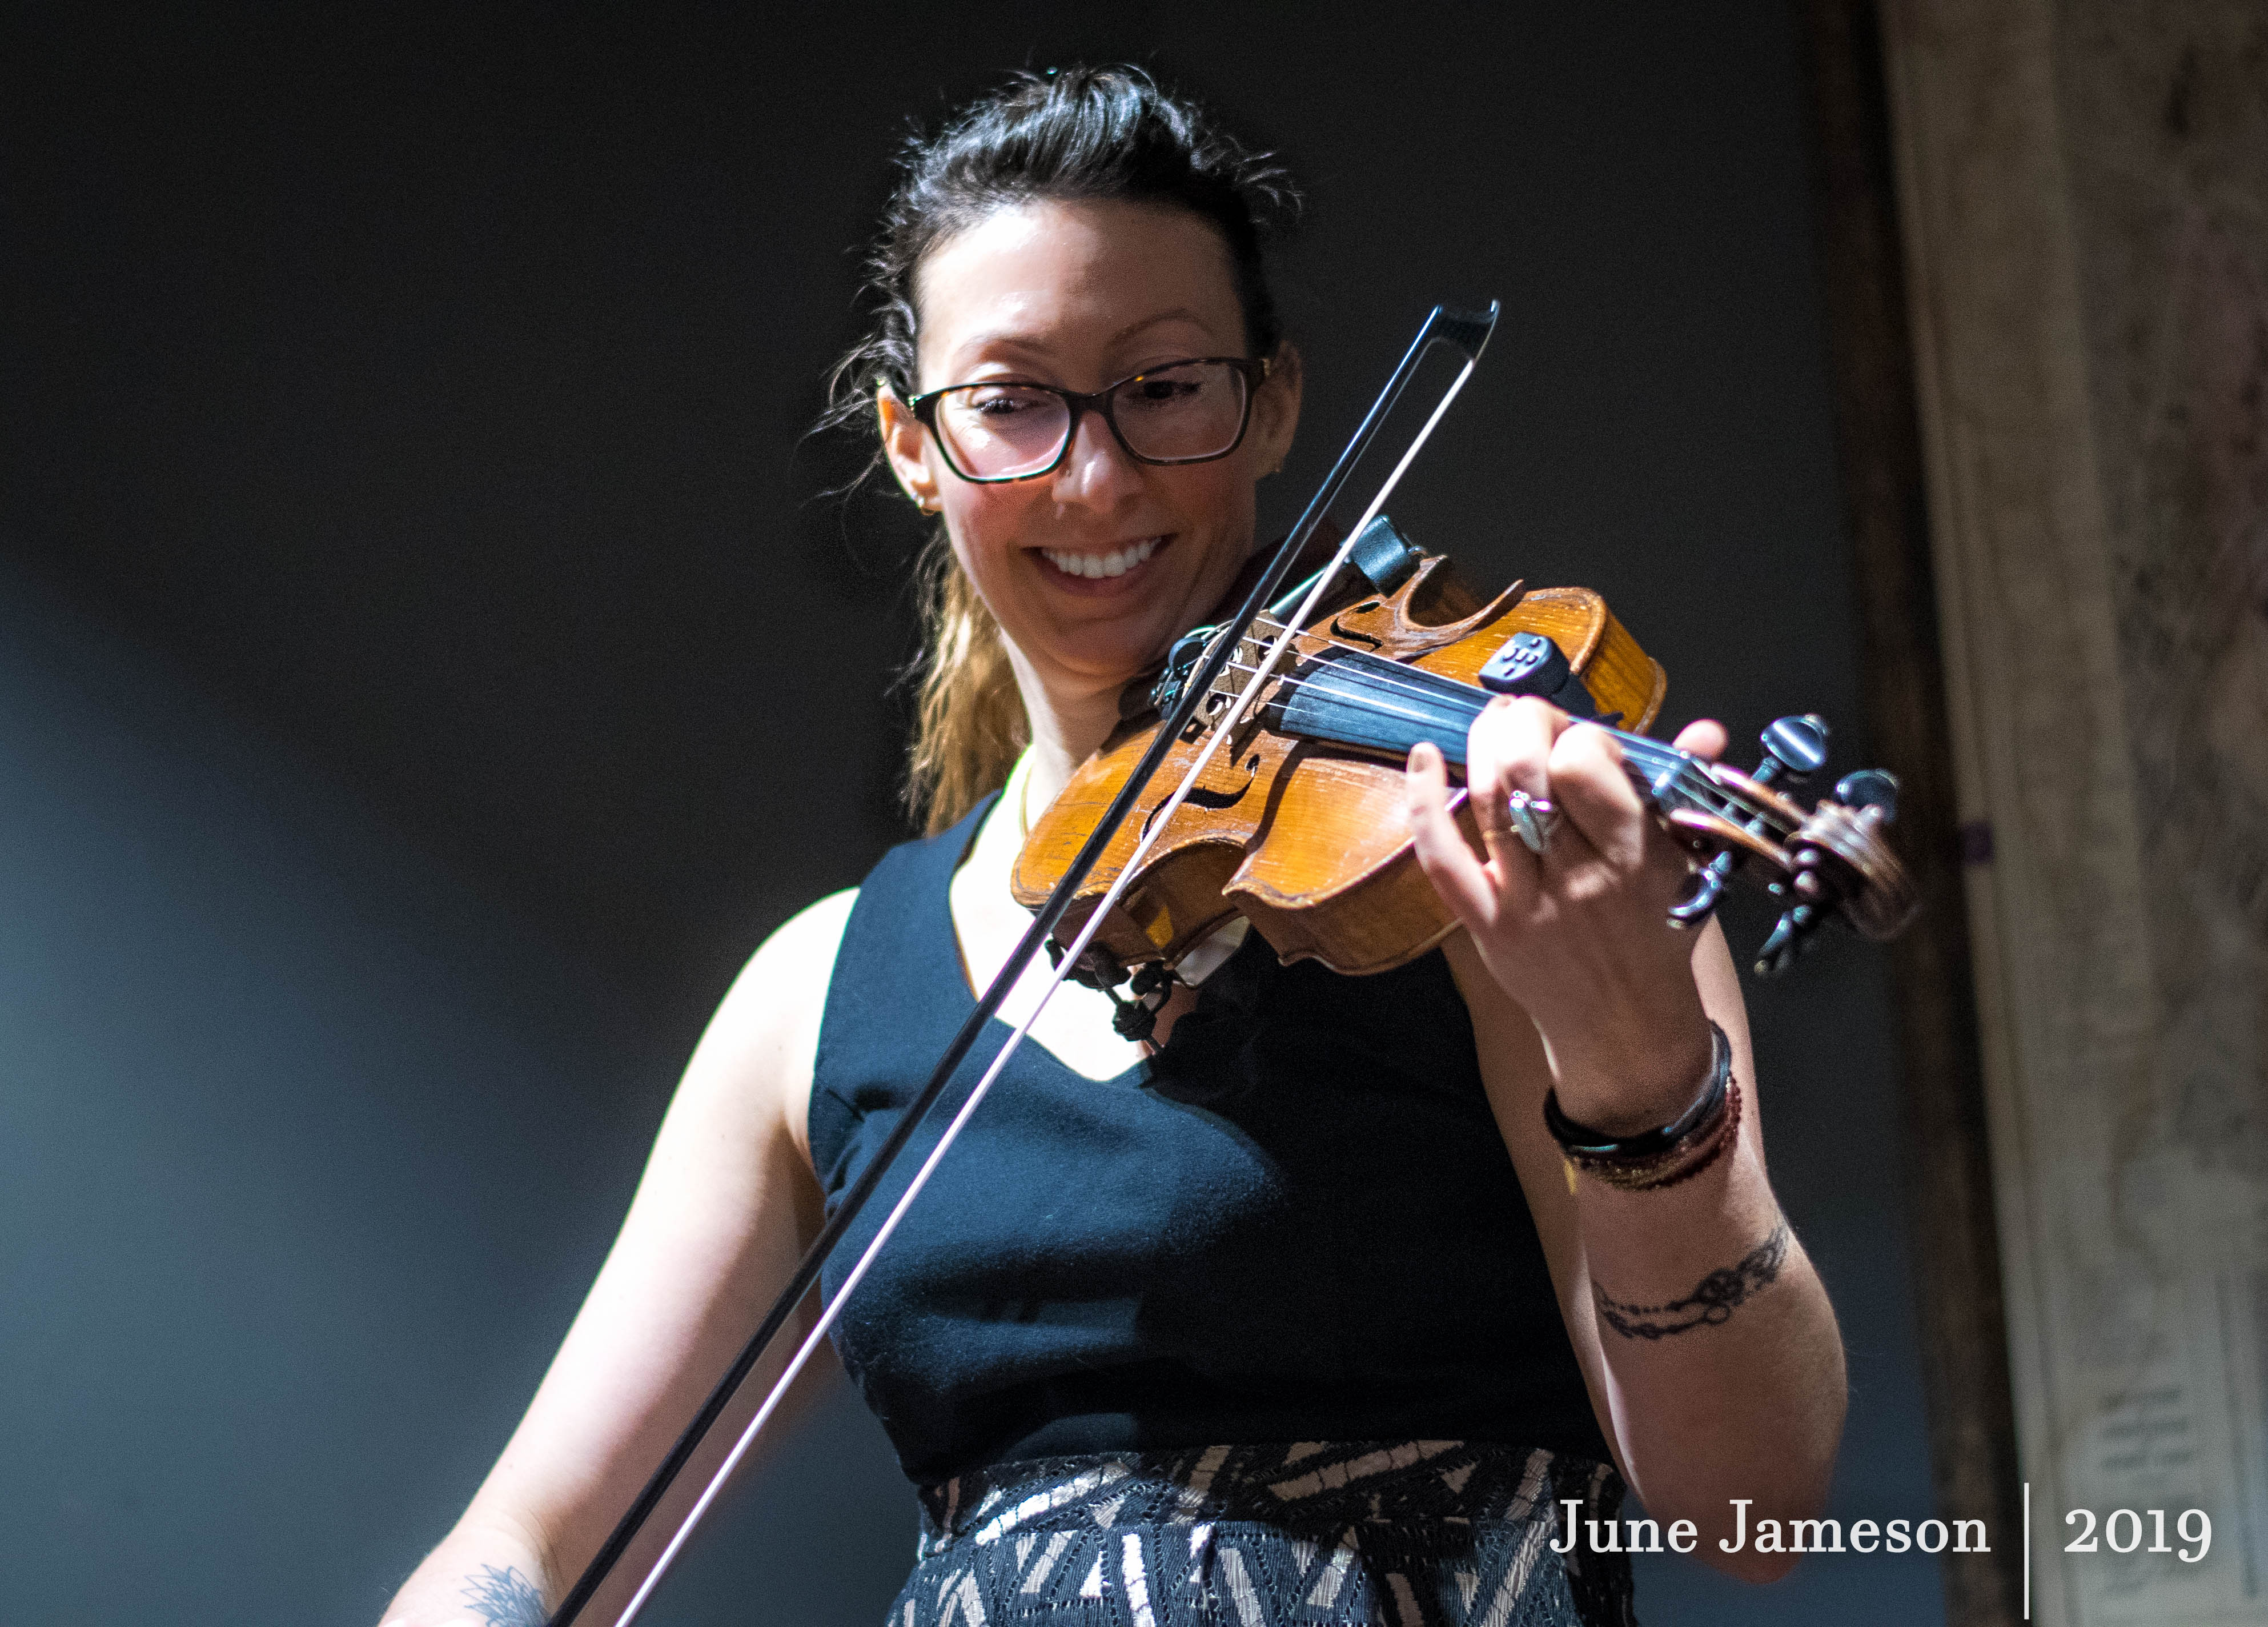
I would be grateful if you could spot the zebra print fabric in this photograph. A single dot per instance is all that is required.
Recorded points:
(1418, 1533)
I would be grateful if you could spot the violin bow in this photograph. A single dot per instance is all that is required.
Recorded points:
(1463, 332)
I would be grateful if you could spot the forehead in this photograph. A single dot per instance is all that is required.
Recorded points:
(1077, 288)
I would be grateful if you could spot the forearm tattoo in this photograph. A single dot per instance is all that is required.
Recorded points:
(1713, 1299)
(505, 1599)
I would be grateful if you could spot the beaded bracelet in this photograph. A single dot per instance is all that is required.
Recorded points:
(1654, 1159)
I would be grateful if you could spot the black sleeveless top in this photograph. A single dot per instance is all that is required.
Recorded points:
(1296, 1222)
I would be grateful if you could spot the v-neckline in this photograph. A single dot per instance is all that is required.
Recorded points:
(957, 953)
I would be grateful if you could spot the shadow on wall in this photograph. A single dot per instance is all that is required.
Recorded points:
(306, 1156)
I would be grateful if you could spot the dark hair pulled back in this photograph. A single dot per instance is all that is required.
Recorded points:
(1109, 133)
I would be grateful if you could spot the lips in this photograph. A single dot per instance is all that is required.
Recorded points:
(1101, 567)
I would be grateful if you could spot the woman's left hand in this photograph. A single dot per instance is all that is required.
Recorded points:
(1580, 934)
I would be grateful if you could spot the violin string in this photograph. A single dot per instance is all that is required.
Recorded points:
(1453, 692)
(1689, 776)
(1446, 689)
(1154, 826)
(1449, 692)
(1354, 681)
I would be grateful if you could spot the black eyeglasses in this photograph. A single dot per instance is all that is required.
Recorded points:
(1183, 412)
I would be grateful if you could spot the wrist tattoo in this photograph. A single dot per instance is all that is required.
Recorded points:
(1713, 1299)
(505, 1598)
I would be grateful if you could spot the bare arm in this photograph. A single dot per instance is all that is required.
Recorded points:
(1708, 1342)
(727, 1204)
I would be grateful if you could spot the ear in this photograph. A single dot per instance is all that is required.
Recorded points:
(1276, 407)
(907, 447)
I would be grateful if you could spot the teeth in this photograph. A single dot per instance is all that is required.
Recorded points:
(1095, 567)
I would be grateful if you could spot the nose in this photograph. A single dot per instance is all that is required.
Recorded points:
(1095, 473)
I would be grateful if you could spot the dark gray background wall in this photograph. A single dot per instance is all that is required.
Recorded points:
(426, 674)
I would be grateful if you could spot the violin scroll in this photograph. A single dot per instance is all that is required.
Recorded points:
(1832, 860)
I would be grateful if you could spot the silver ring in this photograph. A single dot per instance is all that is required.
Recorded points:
(1533, 821)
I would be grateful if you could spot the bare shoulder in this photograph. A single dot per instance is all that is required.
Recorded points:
(760, 1048)
(798, 960)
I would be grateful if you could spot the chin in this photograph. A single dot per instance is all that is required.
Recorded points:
(1110, 656)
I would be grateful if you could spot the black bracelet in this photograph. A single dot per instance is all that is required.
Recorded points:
(1581, 1141)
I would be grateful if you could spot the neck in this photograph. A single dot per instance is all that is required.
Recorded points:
(1069, 716)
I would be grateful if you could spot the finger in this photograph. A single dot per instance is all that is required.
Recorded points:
(1505, 749)
(1509, 745)
(1595, 795)
(1484, 776)
(1508, 748)
(1608, 810)
(1455, 874)
(1705, 737)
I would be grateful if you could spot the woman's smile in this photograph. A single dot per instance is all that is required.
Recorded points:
(1094, 572)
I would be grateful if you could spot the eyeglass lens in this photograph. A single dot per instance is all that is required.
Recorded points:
(1179, 414)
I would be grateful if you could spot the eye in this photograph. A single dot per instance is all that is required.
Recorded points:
(998, 400)
(1158, 391)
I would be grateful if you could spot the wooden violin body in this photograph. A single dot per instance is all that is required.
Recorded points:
(1298, 823)
(1307, 838)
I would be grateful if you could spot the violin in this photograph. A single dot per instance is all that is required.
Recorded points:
(1297, 821)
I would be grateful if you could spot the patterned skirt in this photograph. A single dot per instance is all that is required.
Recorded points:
(1440, 1533)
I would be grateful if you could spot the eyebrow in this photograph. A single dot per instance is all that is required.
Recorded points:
(1025, 342)
(1179, 311)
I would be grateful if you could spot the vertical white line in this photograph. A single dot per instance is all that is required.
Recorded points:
(1138, 1583)
(2028, 1551)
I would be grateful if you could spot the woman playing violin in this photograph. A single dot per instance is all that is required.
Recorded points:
(1335, 1299)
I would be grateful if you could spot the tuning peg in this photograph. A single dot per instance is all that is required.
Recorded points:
(1796, 747)
(1703, 889)
(1870, 788)
(1789, 936)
